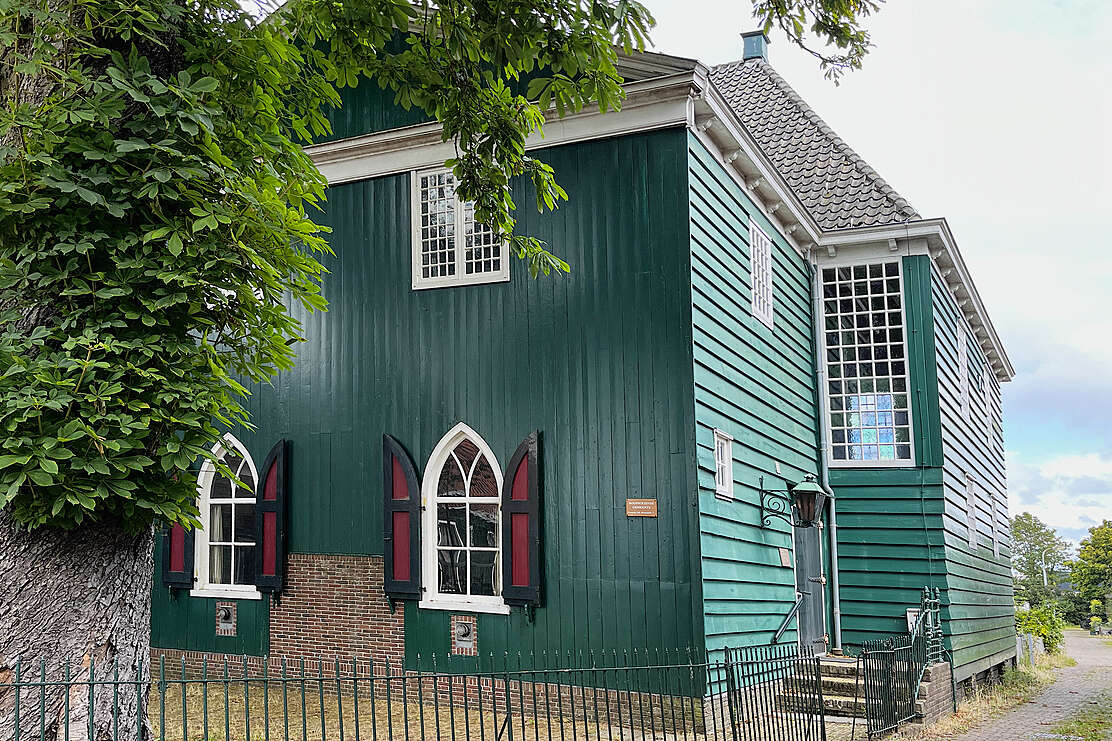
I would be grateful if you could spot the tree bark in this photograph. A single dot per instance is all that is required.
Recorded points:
(81, 599)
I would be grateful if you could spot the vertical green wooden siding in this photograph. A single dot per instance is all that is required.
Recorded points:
(756, 384)
(186, 623)
(599, 361)
(979, 584)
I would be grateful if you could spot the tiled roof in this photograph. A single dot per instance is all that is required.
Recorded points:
(837, 187)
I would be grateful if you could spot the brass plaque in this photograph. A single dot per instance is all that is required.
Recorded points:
(641, 508)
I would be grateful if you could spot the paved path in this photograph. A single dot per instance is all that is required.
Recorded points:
(1076, 685)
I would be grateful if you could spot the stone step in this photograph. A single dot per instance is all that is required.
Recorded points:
(845, 707)
(830, 667)
(841, 687)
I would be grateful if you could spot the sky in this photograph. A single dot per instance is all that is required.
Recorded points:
(997, 115)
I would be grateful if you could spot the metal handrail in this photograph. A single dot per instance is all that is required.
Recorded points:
(787, 619)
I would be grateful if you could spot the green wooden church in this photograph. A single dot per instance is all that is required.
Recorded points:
(468, 460)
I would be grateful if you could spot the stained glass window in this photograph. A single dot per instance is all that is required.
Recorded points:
(866, 363)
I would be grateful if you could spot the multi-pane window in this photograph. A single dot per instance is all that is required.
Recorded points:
(963, 373)
(466, 530)
(995, 533)
(723, 465)
(226, 542)
(449, 246)
(760, 260)
(866, 364)
(971, 511)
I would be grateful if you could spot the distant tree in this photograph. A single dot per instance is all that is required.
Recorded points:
(1091, 571)
(1038, 554)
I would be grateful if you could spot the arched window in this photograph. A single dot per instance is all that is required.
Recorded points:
(462, 529)
(225, 544)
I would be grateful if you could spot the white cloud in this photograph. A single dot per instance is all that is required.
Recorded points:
(1068, 492)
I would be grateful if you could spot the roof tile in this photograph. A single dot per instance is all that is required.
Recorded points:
(837, 187)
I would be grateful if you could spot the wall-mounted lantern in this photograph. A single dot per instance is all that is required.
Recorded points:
(801, 505)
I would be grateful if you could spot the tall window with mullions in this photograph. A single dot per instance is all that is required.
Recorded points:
(866, 364)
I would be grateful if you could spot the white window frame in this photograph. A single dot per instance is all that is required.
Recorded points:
(963, 373)
(723, 465)
(972, 519)
(825, 378)
(432, 599)
(995, 534)
(762, 272)
(203, 586)
(461, 214)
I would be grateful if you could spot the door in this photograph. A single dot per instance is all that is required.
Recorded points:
(810, 582)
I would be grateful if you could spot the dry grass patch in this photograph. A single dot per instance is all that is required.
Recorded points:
(987, 702)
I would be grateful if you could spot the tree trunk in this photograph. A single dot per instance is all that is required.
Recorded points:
(80, 599)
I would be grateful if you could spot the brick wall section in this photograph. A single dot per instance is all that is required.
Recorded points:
(936, 694)
(334, 606)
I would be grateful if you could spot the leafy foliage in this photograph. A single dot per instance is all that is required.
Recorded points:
(1091, 571)
(155, 206)
(1044, 623)
(1036, 545)
(832, 22)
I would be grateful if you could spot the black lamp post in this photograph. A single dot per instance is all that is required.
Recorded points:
(803, 508)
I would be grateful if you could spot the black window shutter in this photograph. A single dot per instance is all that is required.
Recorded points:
(271, 497)
(521, 526)
(401, 523)
(177, 557)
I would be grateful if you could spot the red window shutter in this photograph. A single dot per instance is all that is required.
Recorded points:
(177, 557)
(401, 523)
(270, 519)
(522, 525)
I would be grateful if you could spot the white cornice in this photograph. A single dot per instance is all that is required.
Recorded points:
(940, 244)
(661, 102)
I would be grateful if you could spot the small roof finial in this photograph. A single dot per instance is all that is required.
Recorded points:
(755, 45)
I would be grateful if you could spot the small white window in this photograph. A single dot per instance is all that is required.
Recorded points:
(723, 465)
(449, 247)
(225, 545)
(963, 373)
(462, 536)
(971, 511)
(760, 261)
(995, 533)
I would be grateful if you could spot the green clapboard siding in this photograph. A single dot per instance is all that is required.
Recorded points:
(756, 384)
(890, 537)
(979, 582)
(179, 621)
(599, 361)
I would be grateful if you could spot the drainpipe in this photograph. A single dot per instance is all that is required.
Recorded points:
(824, 470)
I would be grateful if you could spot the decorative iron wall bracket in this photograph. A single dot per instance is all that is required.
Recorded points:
(786, 503)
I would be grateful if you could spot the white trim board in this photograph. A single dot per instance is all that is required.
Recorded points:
(923, 237)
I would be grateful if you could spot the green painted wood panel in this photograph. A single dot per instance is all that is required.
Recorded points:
(599, 361)
(757, 385)
(186, 623)
(981, 599)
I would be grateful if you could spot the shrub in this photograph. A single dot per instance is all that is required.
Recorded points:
(1042, 622)
(1094, 623)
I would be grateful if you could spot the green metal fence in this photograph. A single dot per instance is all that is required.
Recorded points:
(892, 668)
(593, 695)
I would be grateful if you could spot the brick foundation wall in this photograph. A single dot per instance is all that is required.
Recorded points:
(334, 606)
(936, 694)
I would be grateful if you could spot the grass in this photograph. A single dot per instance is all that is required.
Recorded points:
(320, 714)
(1019, 685)
(1093, 723)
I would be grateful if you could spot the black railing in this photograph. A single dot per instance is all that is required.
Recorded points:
(892, 668)
(771, 693)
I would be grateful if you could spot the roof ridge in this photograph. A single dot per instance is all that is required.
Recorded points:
(898, 200)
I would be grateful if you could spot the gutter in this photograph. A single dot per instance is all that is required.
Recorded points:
(824, 469)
